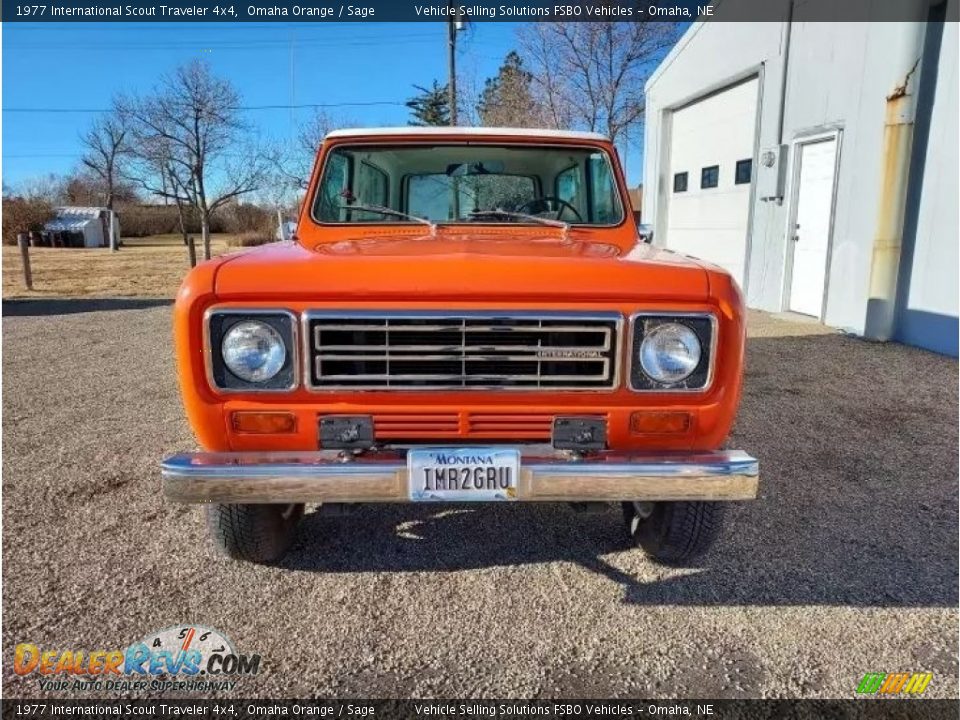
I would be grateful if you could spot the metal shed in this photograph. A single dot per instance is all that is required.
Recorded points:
(87, 223)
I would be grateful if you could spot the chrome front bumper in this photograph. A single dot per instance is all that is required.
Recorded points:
(321, 477)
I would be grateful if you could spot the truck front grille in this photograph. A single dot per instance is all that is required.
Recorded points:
(454, 424)
(462, 351)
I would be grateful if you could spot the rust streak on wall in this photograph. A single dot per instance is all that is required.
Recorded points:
(897, 145)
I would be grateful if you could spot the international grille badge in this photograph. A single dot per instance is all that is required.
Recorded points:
(557, 354)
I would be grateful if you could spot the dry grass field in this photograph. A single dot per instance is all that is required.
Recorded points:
(144, 267)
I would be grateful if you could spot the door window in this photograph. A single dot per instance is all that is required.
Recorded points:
(603, 189)
(336, 177)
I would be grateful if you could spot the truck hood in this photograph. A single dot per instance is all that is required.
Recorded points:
(474, 266)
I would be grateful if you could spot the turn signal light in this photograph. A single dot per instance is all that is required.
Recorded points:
(660, 423)
(265, 423)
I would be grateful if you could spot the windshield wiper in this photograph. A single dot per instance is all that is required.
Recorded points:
(523, 216)
(390, 211)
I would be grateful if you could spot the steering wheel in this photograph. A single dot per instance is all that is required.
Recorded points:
(543, 204)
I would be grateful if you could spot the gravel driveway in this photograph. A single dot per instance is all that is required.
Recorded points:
(847, 562)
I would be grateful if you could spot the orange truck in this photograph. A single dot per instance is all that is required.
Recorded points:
(464, 315)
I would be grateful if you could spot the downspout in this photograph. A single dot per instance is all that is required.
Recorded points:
(896, 154)
(783, 76)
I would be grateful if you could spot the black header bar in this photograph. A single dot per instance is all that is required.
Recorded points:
(359, 11)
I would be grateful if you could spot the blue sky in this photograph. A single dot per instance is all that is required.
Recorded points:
(71, 66)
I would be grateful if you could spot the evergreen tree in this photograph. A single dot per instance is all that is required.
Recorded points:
(431, 106)
(507, 99)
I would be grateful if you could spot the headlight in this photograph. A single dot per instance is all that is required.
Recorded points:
(672, 351)
(253, 351)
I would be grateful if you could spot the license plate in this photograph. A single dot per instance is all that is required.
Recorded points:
(463, 474)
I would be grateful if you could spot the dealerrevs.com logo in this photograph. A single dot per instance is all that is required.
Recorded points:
(190, 658)
(898, 683)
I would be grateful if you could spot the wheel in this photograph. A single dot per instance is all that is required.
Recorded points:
(258, 533)
(674, 532)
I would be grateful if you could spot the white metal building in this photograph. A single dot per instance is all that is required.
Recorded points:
(90, 223)
(818, 163)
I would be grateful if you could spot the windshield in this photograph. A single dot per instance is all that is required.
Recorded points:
(467, 184)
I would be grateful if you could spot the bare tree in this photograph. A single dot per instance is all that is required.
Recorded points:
(314, 130)
(50, 188)
(591, 74)
(154, 166)
(83, 187)
(291, 161)
(193, 142)
(156, 162)
(107, 143)
(469, 88)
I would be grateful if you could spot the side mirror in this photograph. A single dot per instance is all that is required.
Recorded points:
(644, 230)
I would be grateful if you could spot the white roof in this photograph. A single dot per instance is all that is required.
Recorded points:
(73, 219)
(457, 130)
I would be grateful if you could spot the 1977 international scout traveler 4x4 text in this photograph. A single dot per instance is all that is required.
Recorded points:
(464, 315)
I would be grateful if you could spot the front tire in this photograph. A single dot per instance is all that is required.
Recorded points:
(257, 533)
(674, 533)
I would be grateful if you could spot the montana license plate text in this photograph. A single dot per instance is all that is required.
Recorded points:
(463, 474)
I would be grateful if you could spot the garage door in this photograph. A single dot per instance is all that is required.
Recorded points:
(710, 173)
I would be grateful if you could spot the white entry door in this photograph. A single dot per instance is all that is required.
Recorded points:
(811, 235)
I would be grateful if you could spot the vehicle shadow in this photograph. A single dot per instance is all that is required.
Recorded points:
(858, 505)
(69, 306)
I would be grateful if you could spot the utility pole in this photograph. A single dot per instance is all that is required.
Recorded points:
(452, 26)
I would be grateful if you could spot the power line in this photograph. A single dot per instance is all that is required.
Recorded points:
(303, 106)
(20, 156)
(80, 153)
(318, 42)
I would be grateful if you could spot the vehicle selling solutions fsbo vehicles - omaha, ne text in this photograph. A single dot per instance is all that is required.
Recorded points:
(464, 315)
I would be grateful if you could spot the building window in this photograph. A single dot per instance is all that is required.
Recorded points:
(709, 176)
(744, 172)
(680, 182)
